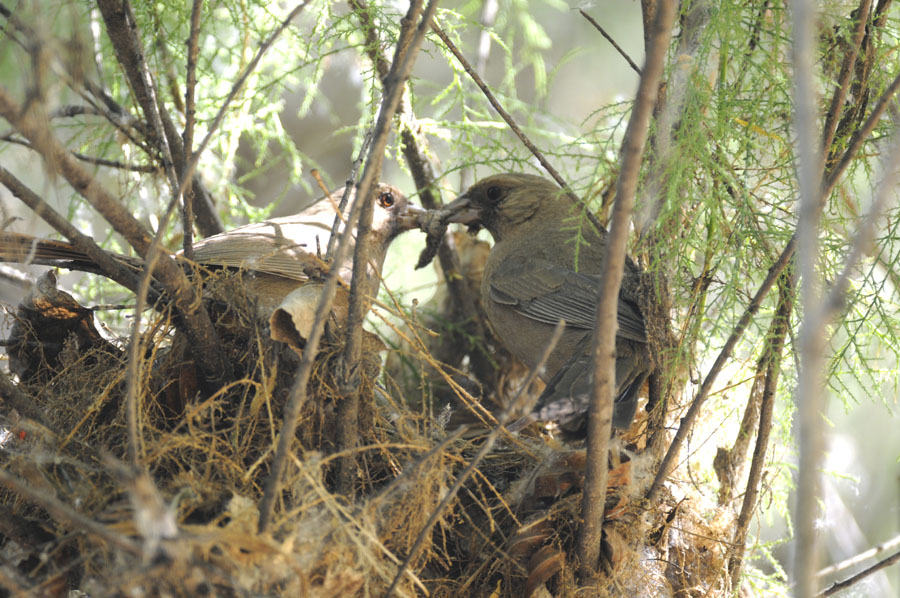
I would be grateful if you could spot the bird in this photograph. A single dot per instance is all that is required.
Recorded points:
(275, 256)
(544, 267)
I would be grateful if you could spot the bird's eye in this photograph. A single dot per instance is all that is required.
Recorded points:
(494, 193)
(386, 199)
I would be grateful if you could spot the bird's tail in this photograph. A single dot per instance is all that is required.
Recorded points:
(625, 403)
(28, 249)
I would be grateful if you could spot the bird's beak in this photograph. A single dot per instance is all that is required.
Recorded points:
(411, 217)
(461, 211)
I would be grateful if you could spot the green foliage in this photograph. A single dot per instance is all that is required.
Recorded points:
(718, 197)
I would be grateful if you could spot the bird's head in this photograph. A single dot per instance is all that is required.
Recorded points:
(394, 213)
(502, 203)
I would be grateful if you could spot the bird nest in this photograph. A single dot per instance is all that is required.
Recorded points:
(75, 518)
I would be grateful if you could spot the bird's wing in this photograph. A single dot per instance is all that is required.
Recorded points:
(288, 248)
(547, 292)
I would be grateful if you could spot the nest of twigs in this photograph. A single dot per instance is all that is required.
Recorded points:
(184, 523)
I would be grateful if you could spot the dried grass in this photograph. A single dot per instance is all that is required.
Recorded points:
(509, 532)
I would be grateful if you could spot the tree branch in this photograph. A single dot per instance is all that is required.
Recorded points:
(843, 585)
(605, 325)
(122, 31)
(361, 292)
(298, 392)
(774, 272)
(774, 350)
(207, 352)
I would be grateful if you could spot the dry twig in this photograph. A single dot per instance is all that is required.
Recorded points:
(605, 326)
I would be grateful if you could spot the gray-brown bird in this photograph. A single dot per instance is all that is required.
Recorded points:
(533, 279)
(276, 255)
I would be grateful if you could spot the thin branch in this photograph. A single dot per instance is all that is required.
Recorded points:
(10, 275)
(514, 406)
(9, 138)
(499, 107)
(298, 392)
(774, 272)
(609, 38)
(774, 350)
(360, 290)
(348, 188)
(860, 137)
(63, 512)
(843, 585)
(843, 83)
(611, 273)
(190, 113)
(858, 558)
(111, 268)
(208, 354)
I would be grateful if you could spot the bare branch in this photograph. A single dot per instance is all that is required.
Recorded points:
(190, 112)
(858, 558)
(298, 392)
(360, 291)
(605, 325)
(843, 585)
(843, 83)
(63, 512)
(609, 38)
(774, 350)
(88, 159)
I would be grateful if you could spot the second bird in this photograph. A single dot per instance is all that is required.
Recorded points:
(531, 281)
(275, 255)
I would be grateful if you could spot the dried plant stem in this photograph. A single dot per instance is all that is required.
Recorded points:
(360, 291)
(298, 392)
(611, 272)
(775, 348)
(513, 406)
(609, 38)
(63, 512)
(843, 585)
